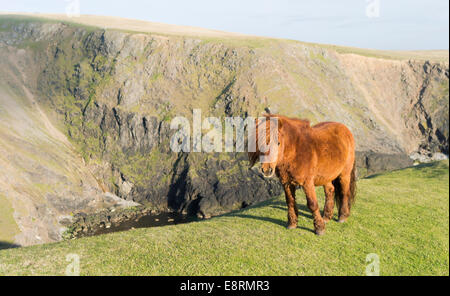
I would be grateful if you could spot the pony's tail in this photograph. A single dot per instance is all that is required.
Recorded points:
(339, 196)
(352, 198)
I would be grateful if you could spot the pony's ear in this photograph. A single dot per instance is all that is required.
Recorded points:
(280, 123)
(266, 115)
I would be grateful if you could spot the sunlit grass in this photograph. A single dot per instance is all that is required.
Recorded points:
(402, 216)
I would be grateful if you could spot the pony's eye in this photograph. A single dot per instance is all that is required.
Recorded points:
(279, 143)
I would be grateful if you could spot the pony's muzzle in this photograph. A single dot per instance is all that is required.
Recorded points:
(269, 172)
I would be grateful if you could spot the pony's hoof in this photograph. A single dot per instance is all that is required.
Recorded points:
(320, 232)
(291, 226)
(342, 220)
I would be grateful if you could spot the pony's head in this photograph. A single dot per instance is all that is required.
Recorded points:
(269, 144)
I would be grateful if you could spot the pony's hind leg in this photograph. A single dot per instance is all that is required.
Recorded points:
(289, 191)
(310, 191)
(344, 209)
(329, 202)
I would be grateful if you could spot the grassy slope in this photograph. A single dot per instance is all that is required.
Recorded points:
(402, 216)
(8, 226)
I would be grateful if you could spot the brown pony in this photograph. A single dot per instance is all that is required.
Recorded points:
(321, 155)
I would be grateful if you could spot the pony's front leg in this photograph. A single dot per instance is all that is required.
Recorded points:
(310, 191)
(289, 191)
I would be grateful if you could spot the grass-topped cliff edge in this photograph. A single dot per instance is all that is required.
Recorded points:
(402, 216)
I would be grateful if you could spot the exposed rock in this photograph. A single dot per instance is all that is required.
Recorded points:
(428, 157)
(369, 163)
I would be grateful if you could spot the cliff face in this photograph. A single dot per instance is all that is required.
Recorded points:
(114, 93)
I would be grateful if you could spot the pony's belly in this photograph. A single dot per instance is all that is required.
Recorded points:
(317, 182)
(321, 181)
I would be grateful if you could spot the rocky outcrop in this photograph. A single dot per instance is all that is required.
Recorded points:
(369, 163)
(429, 111)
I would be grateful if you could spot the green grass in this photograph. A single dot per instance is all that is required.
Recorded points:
(8, 226)
(402, 216)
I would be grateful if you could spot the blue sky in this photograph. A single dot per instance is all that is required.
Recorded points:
(393, 24)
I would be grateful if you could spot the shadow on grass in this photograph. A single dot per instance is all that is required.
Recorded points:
(5, 245)
(279, 205)
(272, 220)
(302, 210)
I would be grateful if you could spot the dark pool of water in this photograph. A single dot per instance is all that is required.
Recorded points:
(157, 220)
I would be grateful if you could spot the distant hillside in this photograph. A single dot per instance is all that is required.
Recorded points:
(130, 25)
(108, 97)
